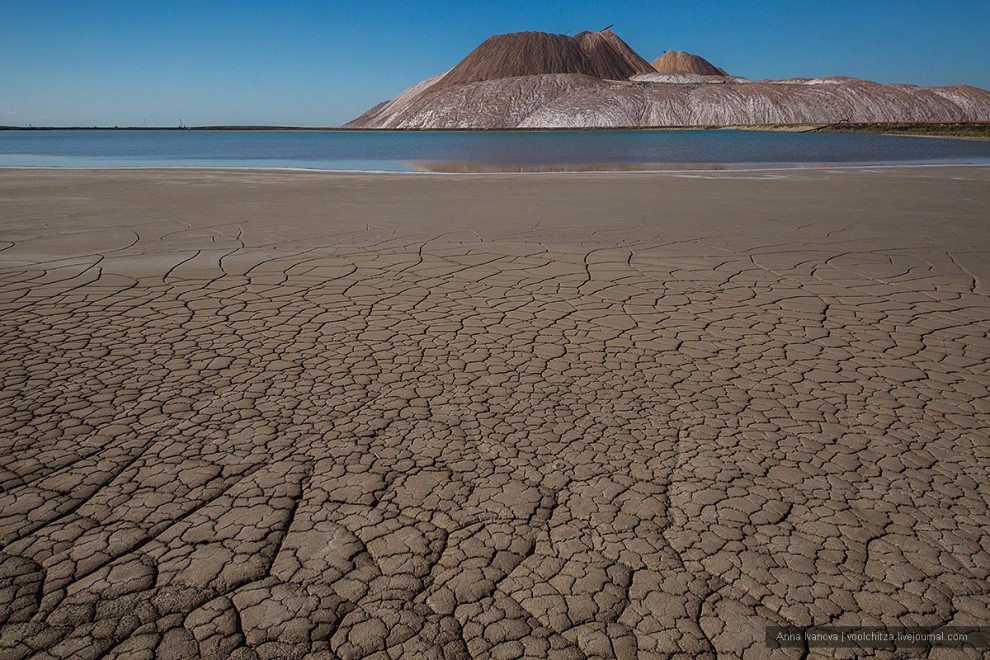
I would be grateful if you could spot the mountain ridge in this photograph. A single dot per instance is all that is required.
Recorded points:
(595, 80)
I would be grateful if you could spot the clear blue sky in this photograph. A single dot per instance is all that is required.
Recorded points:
(321, 63)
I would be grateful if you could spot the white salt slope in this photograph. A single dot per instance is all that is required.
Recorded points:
(682, 78)
(578, 101)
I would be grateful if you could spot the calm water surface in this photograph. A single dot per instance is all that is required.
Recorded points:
(473, 151)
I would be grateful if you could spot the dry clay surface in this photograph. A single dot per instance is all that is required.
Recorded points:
(284, 415)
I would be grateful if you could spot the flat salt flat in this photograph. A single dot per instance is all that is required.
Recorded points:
(262, 414)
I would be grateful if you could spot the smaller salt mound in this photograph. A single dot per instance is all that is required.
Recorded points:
(681, 62)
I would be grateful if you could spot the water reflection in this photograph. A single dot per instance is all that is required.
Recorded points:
(465, 167)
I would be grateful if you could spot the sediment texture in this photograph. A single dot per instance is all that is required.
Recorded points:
(271, 415)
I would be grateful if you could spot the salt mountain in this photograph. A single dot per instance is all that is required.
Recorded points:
(594, 79)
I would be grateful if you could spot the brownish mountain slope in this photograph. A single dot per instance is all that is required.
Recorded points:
(610, 57)
(519, 54)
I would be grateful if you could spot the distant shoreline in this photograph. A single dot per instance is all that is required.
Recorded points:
(966, 130)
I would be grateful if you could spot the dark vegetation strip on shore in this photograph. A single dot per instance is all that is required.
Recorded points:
(961, 129)
(935, 129)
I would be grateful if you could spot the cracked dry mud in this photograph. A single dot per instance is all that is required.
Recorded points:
(285, 415)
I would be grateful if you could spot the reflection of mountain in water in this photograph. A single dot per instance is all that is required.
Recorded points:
(594, 79)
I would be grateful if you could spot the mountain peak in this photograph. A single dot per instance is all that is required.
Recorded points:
(598, 54)
(611, 57)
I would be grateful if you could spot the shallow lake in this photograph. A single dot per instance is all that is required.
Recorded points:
(475, 151)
